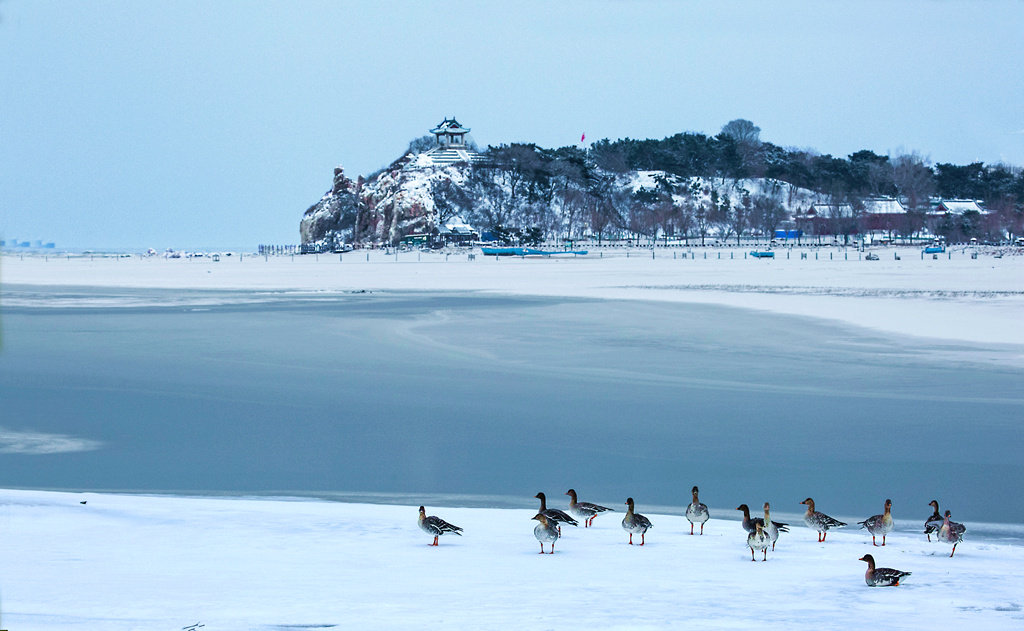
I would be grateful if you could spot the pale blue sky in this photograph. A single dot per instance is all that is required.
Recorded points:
(210, 123)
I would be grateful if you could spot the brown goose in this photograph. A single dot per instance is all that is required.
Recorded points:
(819, 521)
(634, 523)
(436, 526)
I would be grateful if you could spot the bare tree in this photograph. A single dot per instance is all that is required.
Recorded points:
(740, 217)
(767, 212)
(421, 144)
(702, 220)
(880, 178)
(915, 182)
(449, 200)
(721, 218)
(742, 131)
(748, 143)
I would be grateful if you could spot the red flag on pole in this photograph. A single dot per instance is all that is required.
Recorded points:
(583, 137)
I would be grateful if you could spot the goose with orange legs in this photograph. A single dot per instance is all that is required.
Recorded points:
(951, 532)
(545, 532)
(584, 510)
(435, 526)
(758, 540)
(696, 512)
(819, 521)
(770, 527)
(879, 524)
(634, 523)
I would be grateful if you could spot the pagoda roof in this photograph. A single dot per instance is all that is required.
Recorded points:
(450, 126)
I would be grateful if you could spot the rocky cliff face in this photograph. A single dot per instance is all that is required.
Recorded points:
(398, 201)
(333, 215)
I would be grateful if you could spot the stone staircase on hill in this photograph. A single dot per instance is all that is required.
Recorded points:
(452, 155)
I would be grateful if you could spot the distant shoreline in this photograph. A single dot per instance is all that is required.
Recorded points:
(953, 297)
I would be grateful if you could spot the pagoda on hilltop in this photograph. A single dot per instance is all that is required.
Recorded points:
(451, 145)
(450, 133)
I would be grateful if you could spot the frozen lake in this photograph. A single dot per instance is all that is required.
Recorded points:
(480, 395)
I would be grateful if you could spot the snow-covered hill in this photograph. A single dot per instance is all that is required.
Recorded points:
(414, 196)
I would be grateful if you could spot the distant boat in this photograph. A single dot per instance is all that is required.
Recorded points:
(935, 249)
(518, 251)
(762, 255)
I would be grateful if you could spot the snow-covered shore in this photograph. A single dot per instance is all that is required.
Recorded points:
(154, 562)
(161, 562)
(953, 297)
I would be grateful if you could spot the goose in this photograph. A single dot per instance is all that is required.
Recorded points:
(553, 514)
(545, 532)
(770, 529)
(951, 532)
(635, 523)
(882, 576)
(933, 523)
(819, 521)
(584, 510)
(758, 540)
(748, 523)
(697, 513)
(436, 526)
(879, 524)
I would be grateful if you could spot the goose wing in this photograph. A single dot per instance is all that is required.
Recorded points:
(438, 526)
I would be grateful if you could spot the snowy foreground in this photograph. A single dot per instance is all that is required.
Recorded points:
(145, 562)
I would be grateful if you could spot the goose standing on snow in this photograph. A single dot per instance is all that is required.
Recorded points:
(951, 532)
(634, 523)
(553, 514)
(879, 524)
(933, 523)
(770, 528)
(584, 510)
(882, 576)
(749, 524)
(758, 540)
(697, 513)
(436, 526)
(819, 521)
(545, 531)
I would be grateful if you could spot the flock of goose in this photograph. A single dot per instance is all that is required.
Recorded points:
(761, 533)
